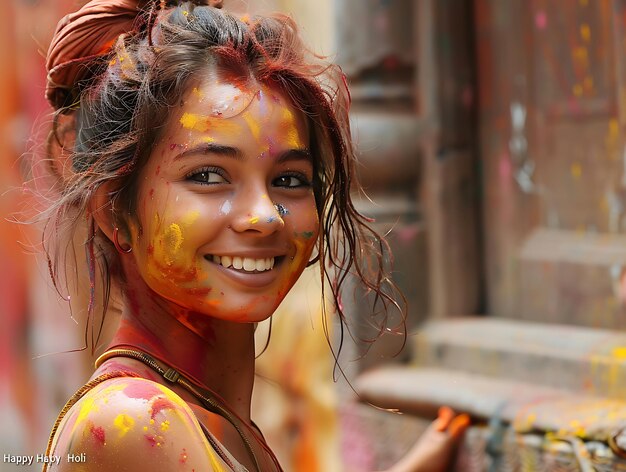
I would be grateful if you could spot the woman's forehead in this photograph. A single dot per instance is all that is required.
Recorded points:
(222, 103)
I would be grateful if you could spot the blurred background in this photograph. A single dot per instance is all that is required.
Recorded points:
(491, 137)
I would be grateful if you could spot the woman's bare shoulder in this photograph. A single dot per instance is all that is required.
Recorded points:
(132, 424)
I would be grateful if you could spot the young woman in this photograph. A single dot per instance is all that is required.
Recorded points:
(211, 160)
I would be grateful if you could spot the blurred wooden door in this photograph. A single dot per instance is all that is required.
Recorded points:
(552, 93)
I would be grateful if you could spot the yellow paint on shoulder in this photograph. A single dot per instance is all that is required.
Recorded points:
(124, 423)
(88, 405)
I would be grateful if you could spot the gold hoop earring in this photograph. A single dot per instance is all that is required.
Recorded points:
(117, 243)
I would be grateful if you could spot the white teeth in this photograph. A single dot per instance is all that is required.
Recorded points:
(249, 264)
(246, 263)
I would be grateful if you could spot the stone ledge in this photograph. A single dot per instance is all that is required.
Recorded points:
(572, 358)
(527, 407)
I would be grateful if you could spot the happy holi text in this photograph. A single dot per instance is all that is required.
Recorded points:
(42, 458)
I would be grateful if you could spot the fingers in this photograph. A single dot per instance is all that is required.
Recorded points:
(458, 426)
(443, 419)
(446, 421)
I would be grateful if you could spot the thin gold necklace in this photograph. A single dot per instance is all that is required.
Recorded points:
(173, 376)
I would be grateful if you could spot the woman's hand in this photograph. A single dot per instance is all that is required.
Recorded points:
(436, 448)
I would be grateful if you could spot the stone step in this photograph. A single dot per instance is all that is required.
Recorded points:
(528, 407)
(592, 361)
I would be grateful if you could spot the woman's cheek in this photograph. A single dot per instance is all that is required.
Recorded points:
(170, 254)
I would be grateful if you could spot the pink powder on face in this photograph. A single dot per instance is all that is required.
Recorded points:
(151, 440)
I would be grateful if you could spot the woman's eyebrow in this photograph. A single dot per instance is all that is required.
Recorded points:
(212, 148)
(232, 152)
(295, 155)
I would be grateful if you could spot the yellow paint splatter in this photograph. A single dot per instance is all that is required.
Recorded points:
(585, 32)
(174, 237)
(292, 137)
(254, 220)
(190, 218)
(576, 170)
(88, 404)
(123, 423)
(204, 123)
(195, 122)
(165, 425)
(253, 125)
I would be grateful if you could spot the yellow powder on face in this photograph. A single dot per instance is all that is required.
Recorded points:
(123, 423)
(288, 124)
(254, 220)
(165, 425)
(253, 125)
(173, 238)
(190, 218)
(204, 123)
(195, 122)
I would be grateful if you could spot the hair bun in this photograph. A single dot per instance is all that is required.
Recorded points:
(80, 38)
(88, 34)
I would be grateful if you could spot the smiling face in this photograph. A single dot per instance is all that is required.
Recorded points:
(226, 216)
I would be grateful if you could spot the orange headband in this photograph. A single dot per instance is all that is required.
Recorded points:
(86, 35)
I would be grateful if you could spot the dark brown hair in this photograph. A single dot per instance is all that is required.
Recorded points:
(119, 112)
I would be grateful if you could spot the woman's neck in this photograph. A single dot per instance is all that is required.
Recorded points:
(216, 353)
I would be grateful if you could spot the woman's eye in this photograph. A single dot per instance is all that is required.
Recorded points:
(208, 177)
(291, 181)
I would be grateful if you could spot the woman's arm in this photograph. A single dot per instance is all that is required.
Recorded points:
(436, 449)
(130, 424)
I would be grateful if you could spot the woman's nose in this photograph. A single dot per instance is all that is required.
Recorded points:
(258, 214)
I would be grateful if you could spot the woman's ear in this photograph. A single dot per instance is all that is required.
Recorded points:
(102, 209)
